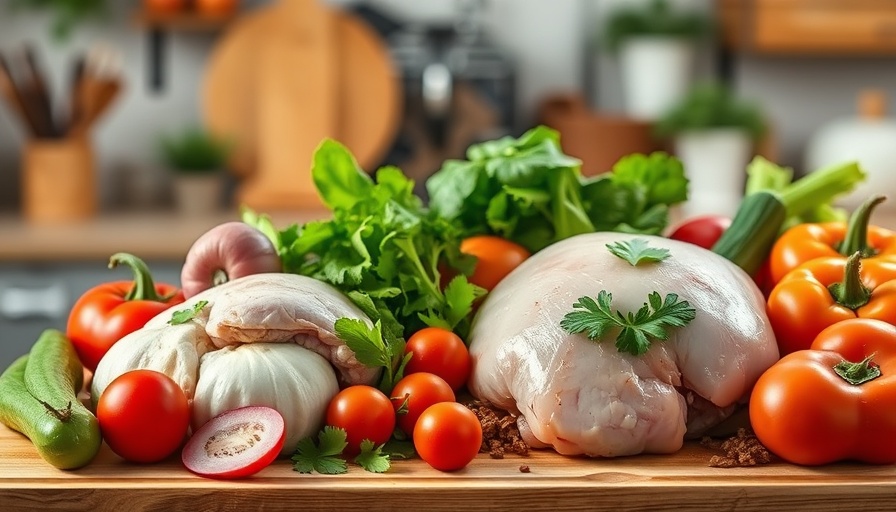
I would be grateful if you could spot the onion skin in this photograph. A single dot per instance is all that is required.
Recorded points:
(227, 251)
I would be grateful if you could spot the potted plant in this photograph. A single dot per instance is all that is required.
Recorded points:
(714, 133)
(197, 160)
(656, 46)
(66, 13)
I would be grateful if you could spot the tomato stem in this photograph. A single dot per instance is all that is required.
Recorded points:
(857, 231)
(144, 288)
(850, 292)
(858, 373)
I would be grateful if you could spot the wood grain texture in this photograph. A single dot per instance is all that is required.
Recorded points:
(682, 481)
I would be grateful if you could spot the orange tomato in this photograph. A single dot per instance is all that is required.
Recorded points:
(439, 351)
(496, 257)
(216, 7)
(448, 436)
(414, 393)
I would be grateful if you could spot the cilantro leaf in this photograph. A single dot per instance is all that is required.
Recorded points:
(459, 297)
(636, 251)
(322, 457)
(183, 316)
(399, 448)
(372, 350)
(372, 457)
(636, 330)
(366, 342)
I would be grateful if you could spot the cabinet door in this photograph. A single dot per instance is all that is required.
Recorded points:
(37, 297)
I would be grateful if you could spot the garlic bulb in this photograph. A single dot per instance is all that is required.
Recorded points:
(263, 340)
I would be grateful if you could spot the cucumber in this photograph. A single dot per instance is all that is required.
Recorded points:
(38, 397)
(753, 231)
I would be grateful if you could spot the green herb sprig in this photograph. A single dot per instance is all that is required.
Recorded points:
(325, 456)
(637, 330)
(183, 316)
(637, 251)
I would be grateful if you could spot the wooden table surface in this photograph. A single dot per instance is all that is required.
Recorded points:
(683, 481)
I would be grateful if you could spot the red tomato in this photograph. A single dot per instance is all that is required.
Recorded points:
(236, 443)
(143, 416)
(165, 6)
(448, 436)
(364, 412)
(703, 230)
(414, 393)
(496, 257)
(439, 351)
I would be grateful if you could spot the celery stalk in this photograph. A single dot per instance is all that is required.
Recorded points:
(820, 187)
(765, 175)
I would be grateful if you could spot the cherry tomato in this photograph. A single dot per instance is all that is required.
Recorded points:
(439, 351)
(496, 258)
(143, 415)
(448, 436)
(703, 230)
(364, 412)
(414, 393)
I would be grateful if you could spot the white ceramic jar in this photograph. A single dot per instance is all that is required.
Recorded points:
(870, 139)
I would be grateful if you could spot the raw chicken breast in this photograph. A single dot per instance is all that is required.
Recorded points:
(585, 397)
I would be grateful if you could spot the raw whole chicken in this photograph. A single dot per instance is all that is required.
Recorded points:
(583, 396)
(263, 340)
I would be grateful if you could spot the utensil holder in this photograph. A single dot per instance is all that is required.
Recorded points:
(58, 180)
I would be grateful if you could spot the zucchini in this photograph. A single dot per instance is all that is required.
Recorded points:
(754, 229)
(38, 397)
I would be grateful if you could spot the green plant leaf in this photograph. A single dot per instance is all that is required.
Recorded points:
(183, 316)
(636, 251)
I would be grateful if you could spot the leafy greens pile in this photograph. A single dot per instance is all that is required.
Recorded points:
(391, 254)
(528, 191)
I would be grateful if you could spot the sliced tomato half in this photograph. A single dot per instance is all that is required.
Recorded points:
(236, 444)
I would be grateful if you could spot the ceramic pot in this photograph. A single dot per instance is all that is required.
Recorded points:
(198, 194)
(656, 74)
(715, 163)
(868, 138)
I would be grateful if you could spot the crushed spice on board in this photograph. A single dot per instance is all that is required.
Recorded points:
(740, 450)
(499, 431)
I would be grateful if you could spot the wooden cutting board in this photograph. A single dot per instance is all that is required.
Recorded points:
(678, 482)
(285, 76)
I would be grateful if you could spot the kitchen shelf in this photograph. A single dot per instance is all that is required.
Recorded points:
(188, 21)
(159, 24)
(809, 27)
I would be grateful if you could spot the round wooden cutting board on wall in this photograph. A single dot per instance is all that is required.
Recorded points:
(287, 75)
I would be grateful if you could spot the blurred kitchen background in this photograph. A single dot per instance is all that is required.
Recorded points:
(138, 106)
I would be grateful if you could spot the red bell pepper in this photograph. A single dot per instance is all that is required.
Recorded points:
(107, 312)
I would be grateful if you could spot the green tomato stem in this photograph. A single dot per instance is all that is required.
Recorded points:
(144, 288)
(858, 373)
